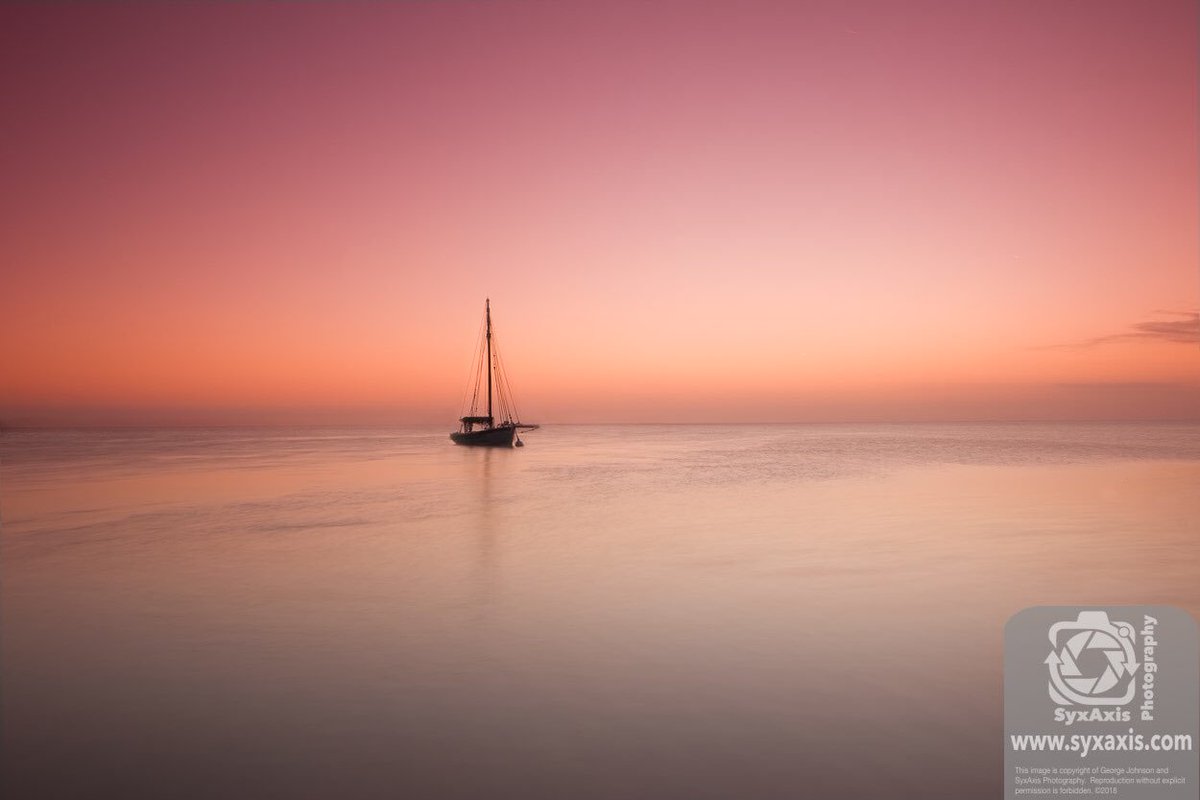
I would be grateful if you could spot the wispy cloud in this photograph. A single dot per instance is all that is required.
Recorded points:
(1183, 327)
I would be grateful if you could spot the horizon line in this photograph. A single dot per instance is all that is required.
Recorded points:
(6, 427)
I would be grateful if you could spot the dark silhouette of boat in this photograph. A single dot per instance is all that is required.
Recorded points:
(483, 430)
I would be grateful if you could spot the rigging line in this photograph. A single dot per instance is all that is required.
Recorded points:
(471, 368)
(501, 402)
(512, 398)
(479, 364)
(473, 383)
(510, 407)
(507, 394)
(500, 399)
(507, 390)
(502, 387)
(479, 376)
(511, 395)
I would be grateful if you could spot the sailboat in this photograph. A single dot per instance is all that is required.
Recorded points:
(486, 430)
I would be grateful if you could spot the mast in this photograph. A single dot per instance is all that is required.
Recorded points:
(487, 305)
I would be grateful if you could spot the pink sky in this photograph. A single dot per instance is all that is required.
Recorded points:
(698, 211)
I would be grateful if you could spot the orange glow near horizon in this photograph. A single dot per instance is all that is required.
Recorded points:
(761, 211)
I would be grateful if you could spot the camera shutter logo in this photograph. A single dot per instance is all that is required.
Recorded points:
(1092, 661)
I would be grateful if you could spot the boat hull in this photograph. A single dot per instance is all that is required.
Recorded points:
(499, 436)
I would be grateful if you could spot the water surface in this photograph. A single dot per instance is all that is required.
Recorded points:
(609, 612)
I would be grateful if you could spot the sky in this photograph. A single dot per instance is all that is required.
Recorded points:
(681, 211)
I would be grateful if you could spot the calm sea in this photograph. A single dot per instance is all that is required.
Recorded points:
(609, 612)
